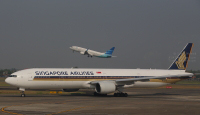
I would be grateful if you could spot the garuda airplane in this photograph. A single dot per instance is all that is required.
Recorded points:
(91, 53)
(103, 81)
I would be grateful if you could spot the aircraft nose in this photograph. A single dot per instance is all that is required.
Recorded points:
(9, 81)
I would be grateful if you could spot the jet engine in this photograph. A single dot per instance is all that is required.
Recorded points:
(70, 90)
(83, 53)
(105, 87)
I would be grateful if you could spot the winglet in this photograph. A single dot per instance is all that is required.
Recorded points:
(181, 62)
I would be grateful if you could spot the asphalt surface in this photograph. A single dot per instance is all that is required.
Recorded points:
(140, 102)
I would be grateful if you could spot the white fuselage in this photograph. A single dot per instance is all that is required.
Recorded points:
(63, 78)
(83, 51)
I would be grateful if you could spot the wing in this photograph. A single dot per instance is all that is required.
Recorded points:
(89, 53)
(85, 52)
(132, 80)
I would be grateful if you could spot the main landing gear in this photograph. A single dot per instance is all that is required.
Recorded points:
(120, 94)
(97, 94)
(89, 56)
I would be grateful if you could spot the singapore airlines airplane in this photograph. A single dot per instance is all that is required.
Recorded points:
(90, 53)
(103, 81)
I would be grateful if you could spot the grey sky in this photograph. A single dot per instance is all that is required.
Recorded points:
(146, 33)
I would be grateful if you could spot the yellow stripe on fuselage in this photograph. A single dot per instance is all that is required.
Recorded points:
(165, 80)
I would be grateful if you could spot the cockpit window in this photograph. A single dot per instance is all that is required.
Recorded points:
(12, 76)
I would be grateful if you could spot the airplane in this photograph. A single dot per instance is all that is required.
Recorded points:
(90, 53)
(102, 81)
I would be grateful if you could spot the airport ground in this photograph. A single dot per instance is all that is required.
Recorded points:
(180, 99)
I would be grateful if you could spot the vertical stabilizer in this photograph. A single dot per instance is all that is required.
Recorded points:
(181, 62)
(110, 51)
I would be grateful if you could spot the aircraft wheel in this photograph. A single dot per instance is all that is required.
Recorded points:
(125, 94)
(120, 94)
(116, 94)
(95, 94)
(23, 95)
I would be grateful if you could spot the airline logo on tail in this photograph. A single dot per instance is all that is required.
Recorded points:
(110, 51)
(181, 61)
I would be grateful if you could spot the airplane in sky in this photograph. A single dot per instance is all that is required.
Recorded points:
(91, 53)
(103, 81)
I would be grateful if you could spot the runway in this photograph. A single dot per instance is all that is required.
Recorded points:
(140, 101)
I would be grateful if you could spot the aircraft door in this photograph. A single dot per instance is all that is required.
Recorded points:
(30, 78)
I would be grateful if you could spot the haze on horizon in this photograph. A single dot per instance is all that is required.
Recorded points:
(146, 34)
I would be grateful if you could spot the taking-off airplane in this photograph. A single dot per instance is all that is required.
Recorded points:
(103, 81)
(90, 53)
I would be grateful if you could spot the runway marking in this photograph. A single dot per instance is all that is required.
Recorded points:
(3, 109)
(70, 110)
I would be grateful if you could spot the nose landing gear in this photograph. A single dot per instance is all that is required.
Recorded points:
(23, 94)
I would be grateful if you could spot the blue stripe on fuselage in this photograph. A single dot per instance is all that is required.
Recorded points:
(105, 56)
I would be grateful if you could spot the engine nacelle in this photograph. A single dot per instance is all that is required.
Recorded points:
(126, 86)
(105, 87)
(83, 53)
(70, 90)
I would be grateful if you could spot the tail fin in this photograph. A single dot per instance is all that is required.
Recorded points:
(181, 62)
(110, 51)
